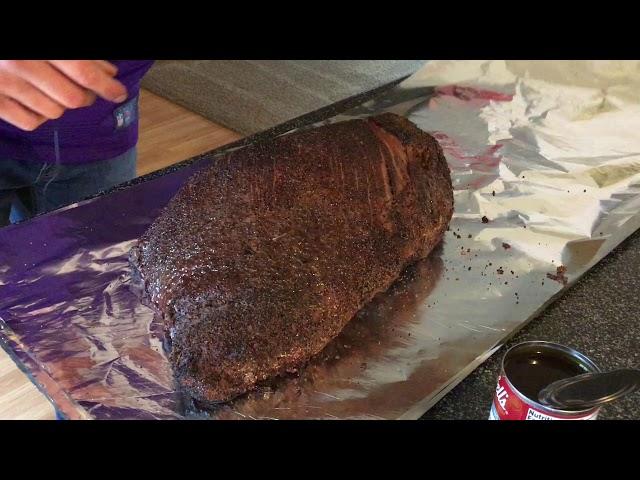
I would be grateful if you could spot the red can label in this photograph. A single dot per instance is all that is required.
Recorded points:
(509, 405)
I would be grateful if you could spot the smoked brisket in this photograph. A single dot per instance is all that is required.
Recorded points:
(263, 257)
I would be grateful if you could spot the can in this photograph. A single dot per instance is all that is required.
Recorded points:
(529, 367)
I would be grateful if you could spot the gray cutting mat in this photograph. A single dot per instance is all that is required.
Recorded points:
(249, 96)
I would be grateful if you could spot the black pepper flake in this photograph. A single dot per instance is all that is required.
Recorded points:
(585, 190)
(493, 193)
(506, 283)
(469, 236)
(512, 272)
(485, 219)
(500, 271)
(457, 279)
(506, 246)
(490, 264)
(469, 268)
(468, 250)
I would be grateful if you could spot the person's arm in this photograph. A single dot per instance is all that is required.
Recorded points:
(34, 91)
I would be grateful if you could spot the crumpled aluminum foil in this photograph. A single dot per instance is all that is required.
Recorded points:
(545, 161)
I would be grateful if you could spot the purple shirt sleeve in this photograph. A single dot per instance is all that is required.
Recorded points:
(99, 132)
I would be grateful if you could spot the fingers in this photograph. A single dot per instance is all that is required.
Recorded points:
(29, 96)
(14, 113)
(93, 76)
(50, 81)
(110, 68)
(33, 91)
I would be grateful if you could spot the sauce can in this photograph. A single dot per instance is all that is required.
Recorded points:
(529, 367)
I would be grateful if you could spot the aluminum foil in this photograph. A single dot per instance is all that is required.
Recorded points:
(545, 161)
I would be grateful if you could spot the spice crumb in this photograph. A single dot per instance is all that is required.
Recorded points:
(559, 276)
(506, 246)
(485, 219)
(493, 193)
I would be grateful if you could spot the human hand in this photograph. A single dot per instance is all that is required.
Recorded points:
(34, 91)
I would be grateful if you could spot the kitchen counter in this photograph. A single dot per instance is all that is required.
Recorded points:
(598, 316)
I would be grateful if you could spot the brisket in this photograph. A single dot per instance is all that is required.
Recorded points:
(262, 258)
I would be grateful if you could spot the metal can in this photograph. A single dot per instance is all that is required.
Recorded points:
(529, 367)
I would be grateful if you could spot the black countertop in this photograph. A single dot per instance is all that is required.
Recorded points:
(599, 316)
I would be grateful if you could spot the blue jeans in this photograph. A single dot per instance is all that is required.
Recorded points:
(27, 189)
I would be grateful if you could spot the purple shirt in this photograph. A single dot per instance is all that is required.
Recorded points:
(101, 131)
